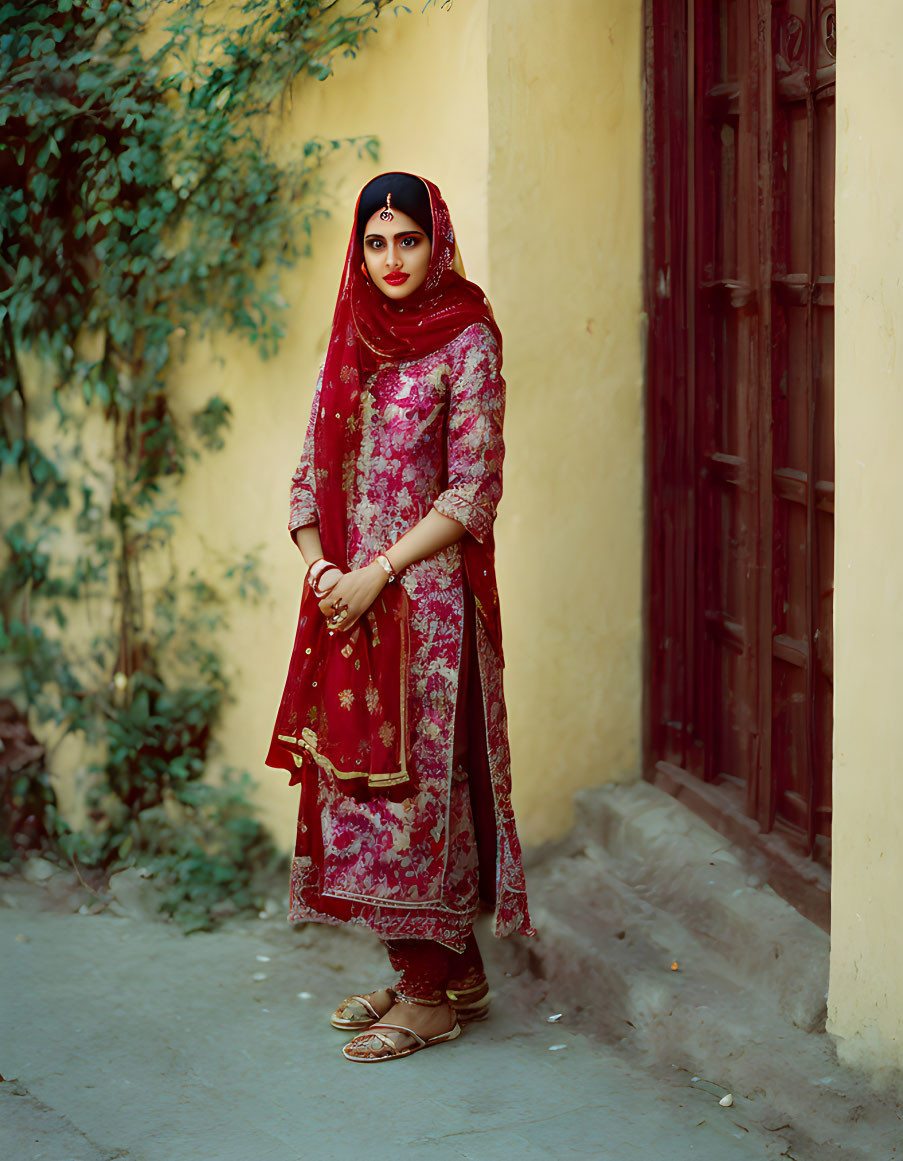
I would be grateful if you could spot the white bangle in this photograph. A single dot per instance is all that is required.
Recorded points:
(385, 563)
(319, 567)
(315, 577)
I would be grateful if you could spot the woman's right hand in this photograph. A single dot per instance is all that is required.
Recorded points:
(353, 595)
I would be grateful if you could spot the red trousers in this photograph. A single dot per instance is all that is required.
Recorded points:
(428, 970)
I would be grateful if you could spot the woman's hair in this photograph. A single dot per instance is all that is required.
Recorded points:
(409, 195)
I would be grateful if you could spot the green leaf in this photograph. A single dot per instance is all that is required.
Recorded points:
(102, 245)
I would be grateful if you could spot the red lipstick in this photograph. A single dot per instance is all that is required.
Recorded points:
(396, 278)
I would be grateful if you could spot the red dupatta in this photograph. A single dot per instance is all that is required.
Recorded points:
(369, 329)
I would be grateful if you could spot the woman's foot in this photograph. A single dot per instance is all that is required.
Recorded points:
(358, 1012)
(429, 1023)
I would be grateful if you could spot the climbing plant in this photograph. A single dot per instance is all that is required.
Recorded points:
(141, 202)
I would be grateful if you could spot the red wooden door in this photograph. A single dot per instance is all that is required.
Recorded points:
(740, 203)
(802, 393)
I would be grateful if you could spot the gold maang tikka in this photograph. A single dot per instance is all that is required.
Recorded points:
(386, 215)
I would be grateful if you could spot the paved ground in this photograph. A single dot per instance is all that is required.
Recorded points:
(121, 1038)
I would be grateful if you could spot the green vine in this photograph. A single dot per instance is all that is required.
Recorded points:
(139, 203)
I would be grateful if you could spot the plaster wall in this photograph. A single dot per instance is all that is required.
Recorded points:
(420, 87)
(540, 162)
(565, 248)
(538, 154)
(865, 1003)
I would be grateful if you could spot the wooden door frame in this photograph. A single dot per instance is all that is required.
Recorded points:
(669, 292)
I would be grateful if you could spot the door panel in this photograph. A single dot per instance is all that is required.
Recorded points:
(740, 459)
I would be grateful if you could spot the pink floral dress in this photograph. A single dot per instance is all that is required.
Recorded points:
(408, 867)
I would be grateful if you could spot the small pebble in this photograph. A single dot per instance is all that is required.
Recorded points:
(259, 976)
(727, 1101)
(263, 959)
(305, 995)
(556, 1047)
(554, 1019)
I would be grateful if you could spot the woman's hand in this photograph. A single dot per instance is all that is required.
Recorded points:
(329, 579)
(353, 595)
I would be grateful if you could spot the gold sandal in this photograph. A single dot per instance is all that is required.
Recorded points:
(470, 1004)
(365, 1015)
(394, 1053)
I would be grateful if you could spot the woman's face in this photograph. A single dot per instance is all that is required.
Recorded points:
(396, 254)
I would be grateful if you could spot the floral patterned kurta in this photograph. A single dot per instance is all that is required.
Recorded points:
(432, 436)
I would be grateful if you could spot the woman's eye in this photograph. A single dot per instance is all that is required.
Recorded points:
(375, 243)
(409, 243)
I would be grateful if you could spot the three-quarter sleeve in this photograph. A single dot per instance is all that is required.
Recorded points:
(476, 410)
(303, 498)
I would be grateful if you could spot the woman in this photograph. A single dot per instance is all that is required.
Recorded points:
(393, 717)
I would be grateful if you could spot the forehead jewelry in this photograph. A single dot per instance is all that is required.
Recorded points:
(386, 215)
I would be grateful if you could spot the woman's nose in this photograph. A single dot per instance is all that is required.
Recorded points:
(393, 256)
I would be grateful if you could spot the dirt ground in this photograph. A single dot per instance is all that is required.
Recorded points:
(666, 977)
(122, 1038)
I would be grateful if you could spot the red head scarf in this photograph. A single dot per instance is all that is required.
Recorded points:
(369, 329)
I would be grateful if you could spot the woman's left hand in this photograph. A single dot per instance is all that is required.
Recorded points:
(353, 596)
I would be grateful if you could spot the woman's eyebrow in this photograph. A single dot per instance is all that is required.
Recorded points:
(400, 234)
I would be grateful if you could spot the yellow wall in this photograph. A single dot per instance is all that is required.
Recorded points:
(866, 991)
(420, 86)
(565, 222)
(539, 160)
(539, 157)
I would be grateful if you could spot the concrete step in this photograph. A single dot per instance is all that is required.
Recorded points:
(673, 859)
(642, 885)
